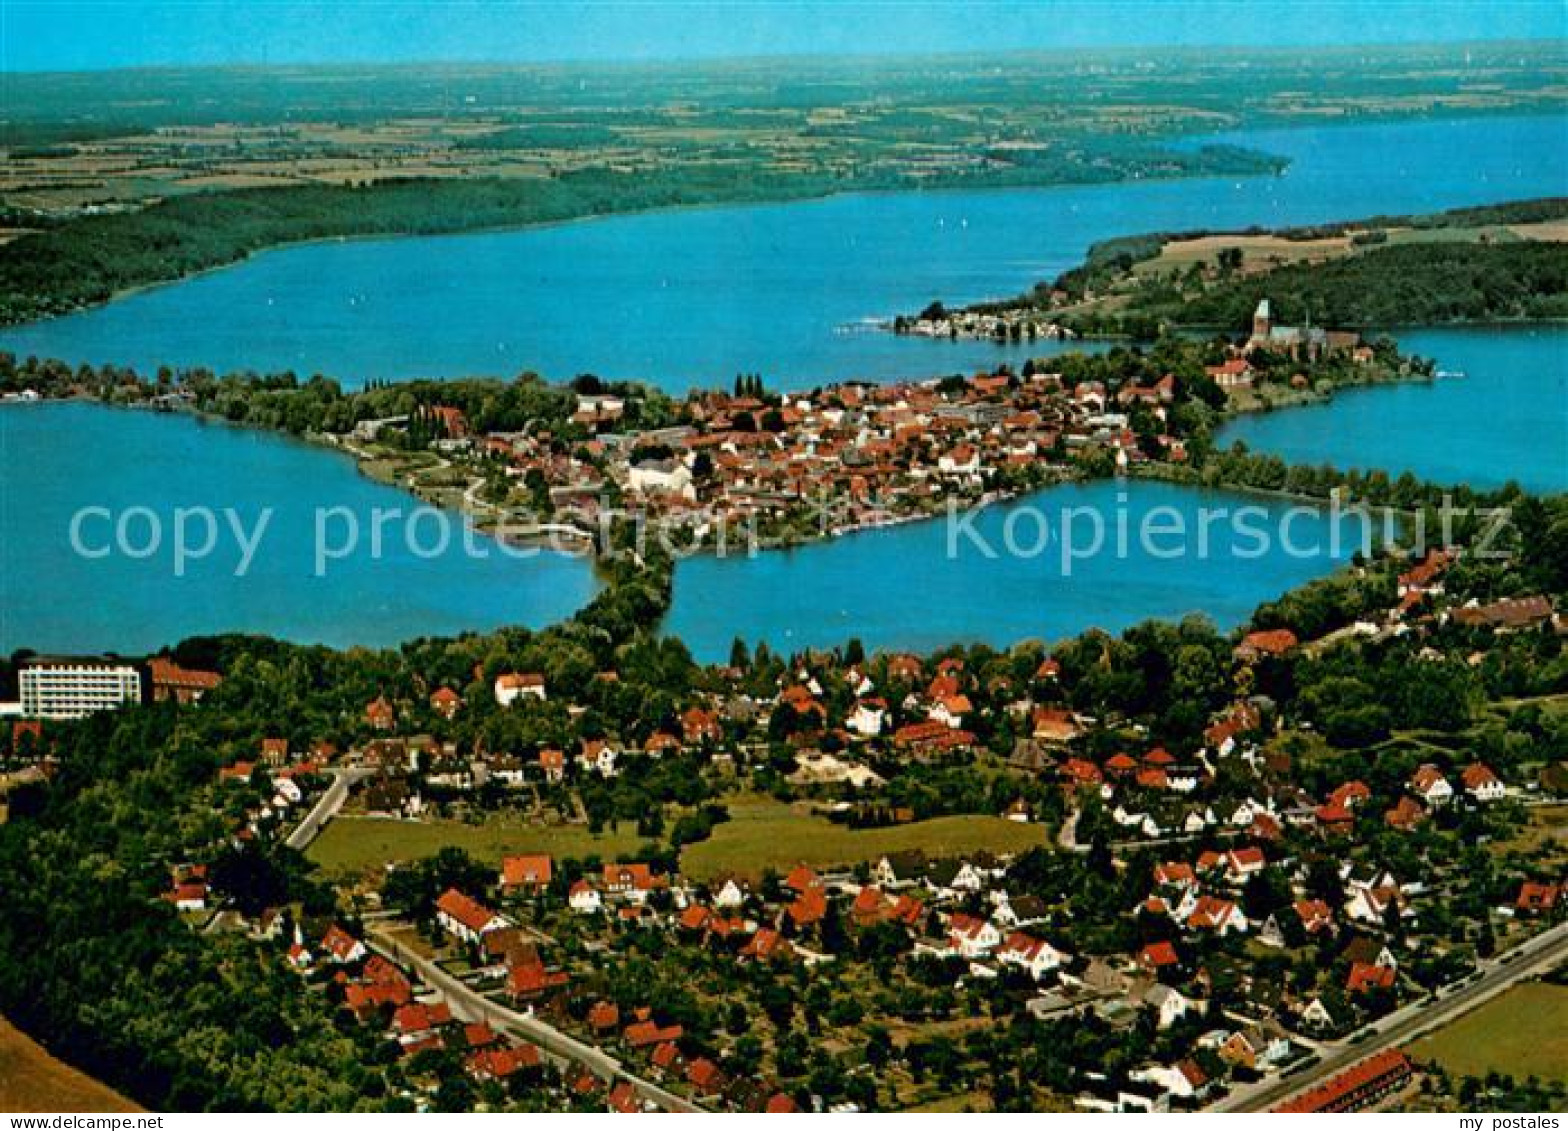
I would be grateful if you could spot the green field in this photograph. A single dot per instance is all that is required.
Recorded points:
(765, 834)
(356, 844)
(1523, 1033)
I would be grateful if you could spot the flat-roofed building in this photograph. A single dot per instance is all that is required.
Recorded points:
(70, 687)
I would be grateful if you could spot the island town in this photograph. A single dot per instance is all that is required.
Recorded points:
(736, 471)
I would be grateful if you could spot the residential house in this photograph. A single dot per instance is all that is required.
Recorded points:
(466, 918)
(632, 882)
(512, 686)
(343, 947)
(1482, 784)
(1429, 784)
(584, 898)
(970, 936)
(1169, 1005)
(528, 874)
(1036, 956)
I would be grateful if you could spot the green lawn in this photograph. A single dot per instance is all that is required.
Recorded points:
(765, 833)
(1522, 1033)
(355, 844)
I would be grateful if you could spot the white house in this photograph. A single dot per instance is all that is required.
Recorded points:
(950, 711)
(860, 683)
(1241, 864)
(1317, 1016)
(867, 718)
(950, 878)
(512, 686)
(343, 947)
(1169, 1005)
(1482, 784)
(1183, 1080)
(661, 477)
(584, 898)
(729, 895)
(466, 918)
(1036, 956)
(962, 460)
(1429, 784)
(508, 770)
(598, 756)
(1218, 915)
(1369, 904)
(971, 937)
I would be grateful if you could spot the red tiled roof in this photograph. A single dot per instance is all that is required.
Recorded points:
(465, 909)
(1275, 642)
(418, 1017)
(525, 871)
(623, 1098)
(800, 879)
(166, 673)
(1537, 897)
(641, 1034)
(1365, 976)
(1343, 1091)
(1159, 954)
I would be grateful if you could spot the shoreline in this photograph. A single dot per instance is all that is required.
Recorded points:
(1227, 137)
(768, 201)
(388, 471)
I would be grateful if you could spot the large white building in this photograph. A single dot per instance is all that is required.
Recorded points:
(69, 687)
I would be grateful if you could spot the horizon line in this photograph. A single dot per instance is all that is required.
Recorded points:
(634, 62)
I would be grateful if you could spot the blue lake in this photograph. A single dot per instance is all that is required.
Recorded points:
(923, 585)
(1507, 418)
(61, 458)
(692, 297)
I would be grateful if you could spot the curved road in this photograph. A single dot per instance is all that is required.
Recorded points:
(560, 1046)
(327, 808)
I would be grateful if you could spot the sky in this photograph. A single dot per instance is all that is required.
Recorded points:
(42, 35)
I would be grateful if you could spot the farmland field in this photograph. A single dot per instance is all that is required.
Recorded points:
(765, 834)
(1523, 1033)
(32, 1080)
(355, 844)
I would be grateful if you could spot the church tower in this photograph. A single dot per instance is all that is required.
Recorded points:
(1261, 321)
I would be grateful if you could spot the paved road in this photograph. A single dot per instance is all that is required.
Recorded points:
(1531, 957)
(473, 1006)
(327, 808)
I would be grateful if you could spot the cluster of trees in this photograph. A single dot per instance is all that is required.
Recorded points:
(285, 402)
(107, 975)
(1395, 285)
(99, 967)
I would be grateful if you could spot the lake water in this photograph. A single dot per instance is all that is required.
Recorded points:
(693, 297)
(60, 458)
(923, 585)
(1506, 419)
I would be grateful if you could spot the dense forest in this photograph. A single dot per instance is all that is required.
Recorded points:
(1408, 284)
(102, 971)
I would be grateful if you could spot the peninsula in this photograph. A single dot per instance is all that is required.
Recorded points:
(1497, 263)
